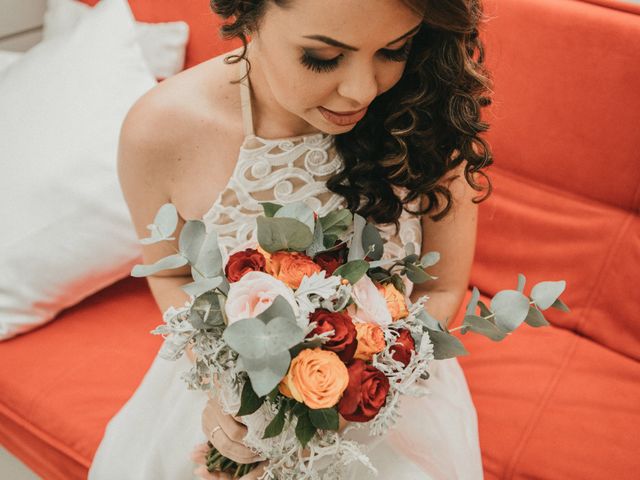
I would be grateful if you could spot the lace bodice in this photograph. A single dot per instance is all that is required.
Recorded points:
(283, 171)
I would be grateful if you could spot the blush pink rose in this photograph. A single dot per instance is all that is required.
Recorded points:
(371, 306)
(253, 294)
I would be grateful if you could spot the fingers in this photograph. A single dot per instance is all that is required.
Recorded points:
(233, 450)
(235, 430)
(204, 474)
(255, 473)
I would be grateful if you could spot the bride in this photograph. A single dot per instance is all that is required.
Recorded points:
(373, 105)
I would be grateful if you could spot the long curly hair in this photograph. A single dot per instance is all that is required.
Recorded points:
(413, 134)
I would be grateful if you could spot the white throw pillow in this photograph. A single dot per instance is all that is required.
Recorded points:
(66, 229)
(163, 44)
(7, 58)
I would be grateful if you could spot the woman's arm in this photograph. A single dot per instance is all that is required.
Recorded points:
(146, 154)
(455, 238)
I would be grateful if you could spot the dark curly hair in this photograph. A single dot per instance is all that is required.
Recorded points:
(426, 125)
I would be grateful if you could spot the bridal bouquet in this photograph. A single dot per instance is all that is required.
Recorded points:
(311, 323)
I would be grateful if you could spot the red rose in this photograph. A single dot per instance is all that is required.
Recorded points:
(332, 259)
(401, 350)
(343, 342)
(239, 263)
(366, 393)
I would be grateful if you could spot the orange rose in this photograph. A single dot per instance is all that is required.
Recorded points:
(396, 303)
(316, 378)
(370, 340)
(290, 267)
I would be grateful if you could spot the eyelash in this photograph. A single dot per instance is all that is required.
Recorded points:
(318, 65)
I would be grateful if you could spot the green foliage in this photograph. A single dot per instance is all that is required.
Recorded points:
(353, 270)
(445, 345)
(163, 226)
(317, 245)
(484, 326)
(356, 250)
(283, 234)
(336, 223)
(510, 308)
(544, 294)
(324, 418)
(270, 209)
(265, 372)
(298, 211)
(276, 425)
(535, 318)
(372, 242)
(249, 400)
(305, 430)
(430, 259)
(206, 312)
(201, 286)
(172, 261)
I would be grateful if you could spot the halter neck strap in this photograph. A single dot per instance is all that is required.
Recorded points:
(245, 99)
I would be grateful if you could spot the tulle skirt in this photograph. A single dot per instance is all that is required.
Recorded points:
(152, 436)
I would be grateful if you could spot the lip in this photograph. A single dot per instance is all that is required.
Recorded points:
(343, 118)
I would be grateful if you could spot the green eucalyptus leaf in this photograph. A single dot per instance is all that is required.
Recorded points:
(249, 400)
(356, 251)
(510, 308)
(484, 327)
(417, 274)
(283, 234)
(254, 339)
(430, 259)
(206, 311)
(172, 261)
(266, 372)
(544, 294)
(473, 302)
(372, 242)
(317, 245)
(521, 282)
(535, 318)
(428, 321)
(409, 249)
(324, 418)
(299, 409)
(270, 209)
(191, 239)
(484, 310)
(166, 219)
(560, 305)
(276, 425)
(305, 430)
(336, 222)
(397, 282)
(278, 308)
(299, 211)
(410, 259)
(445, 345)
(352, 271)
(209, 261)
(201, 286)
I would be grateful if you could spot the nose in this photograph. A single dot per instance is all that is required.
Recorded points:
(359, 85)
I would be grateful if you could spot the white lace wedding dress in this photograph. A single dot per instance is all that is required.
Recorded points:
(152, 436)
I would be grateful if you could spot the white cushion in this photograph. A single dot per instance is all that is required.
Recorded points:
(163, 44)
(7, 58)
(66, 230)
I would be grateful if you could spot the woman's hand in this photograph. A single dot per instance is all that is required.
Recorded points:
(199, 456)
(226, 433)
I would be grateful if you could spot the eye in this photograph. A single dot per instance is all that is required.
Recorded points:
(320, 65)
(399, 55)
(317, 64)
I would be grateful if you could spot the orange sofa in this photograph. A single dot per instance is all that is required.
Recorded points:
(561, 402)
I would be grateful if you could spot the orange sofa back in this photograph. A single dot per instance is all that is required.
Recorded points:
(565, 132)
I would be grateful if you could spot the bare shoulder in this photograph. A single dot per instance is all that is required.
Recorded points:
(167, 130)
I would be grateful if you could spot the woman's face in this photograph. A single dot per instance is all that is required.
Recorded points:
(322, 57)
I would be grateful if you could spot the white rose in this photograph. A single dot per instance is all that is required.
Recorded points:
(371, 305)
(253, 294)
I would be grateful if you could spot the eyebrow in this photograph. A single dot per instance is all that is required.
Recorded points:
(335, 43)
